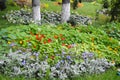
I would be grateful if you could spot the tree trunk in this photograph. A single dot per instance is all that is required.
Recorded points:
(65, 14)
(36, 10)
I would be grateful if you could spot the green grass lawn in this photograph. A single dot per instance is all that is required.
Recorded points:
(88, 9)
(108, 75)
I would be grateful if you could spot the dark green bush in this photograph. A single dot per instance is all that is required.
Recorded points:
(115, 10)
(105, 4)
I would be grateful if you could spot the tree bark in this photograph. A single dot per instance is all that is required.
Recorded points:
(36, 10)
(65, 14)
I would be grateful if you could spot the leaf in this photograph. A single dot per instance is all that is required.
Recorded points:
(12, 36)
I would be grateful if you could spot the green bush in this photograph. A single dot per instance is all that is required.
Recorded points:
(115, 10)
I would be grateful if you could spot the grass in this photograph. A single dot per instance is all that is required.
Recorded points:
(108, 75)
(88, 9)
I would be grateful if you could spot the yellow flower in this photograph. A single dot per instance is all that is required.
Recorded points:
(93, 49)
(98, 51)
(71, 1)
(92, 44)
(21, 42)
(109, 48)
(46, 5)
(9, 42)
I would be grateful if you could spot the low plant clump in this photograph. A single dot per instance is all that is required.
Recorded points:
(27, 63)
(24, 17)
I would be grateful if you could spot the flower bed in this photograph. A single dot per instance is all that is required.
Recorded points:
(60, 51)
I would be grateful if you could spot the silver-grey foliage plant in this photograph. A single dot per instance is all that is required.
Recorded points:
(27, 63)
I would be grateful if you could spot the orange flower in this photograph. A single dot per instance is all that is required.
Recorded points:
(31, 33)
(69, 46)
(44, 42)
(62, 38)
(61, 35)
(55, 36)
(63, 44)
(37, 36)
(34, 46)
(42, 36)
(49, 40)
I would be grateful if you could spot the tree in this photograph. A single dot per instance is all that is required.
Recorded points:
(2, 5)
(65, 14)
(115, 10)
(36, 10)
(75, 3)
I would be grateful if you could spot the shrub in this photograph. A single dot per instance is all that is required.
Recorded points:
(115, 10)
